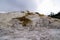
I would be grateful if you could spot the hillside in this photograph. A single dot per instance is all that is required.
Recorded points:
(28, 26)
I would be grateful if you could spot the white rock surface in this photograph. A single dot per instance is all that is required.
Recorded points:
(41, 28)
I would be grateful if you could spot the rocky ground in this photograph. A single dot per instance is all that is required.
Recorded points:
(13, 26)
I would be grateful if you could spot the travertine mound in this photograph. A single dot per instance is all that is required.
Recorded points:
(28, 26)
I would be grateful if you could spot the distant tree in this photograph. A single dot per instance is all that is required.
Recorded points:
(52, 14)
(55, 15)
(58, 13)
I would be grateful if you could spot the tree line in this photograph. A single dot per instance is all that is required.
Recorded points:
(55, 15)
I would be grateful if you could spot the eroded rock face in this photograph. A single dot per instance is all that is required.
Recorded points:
(40, 27)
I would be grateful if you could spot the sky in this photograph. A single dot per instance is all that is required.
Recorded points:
(41, 6)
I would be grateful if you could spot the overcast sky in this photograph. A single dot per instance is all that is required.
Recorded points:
(42, 6)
